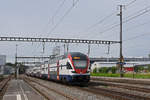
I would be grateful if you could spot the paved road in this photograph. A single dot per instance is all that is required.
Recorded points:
(19, 90)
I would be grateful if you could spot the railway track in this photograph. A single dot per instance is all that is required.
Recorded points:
(124, 86)
(114, 94)
(129, 81)
(29, 81)
(3, 86)
(111, 93)
(117, 95)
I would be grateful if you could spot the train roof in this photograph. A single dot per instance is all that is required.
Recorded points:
(73, 54)
(77, 54)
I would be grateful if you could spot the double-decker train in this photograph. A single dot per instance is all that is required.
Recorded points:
(73, 67)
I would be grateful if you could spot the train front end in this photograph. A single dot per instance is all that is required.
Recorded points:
(81, 67)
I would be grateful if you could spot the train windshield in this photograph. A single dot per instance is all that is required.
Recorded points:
(80, 64)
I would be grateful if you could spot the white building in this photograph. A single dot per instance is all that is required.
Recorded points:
(110, 64)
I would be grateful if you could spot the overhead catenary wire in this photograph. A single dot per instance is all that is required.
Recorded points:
(51, 20)
(129, 18)
(137, 26)
(114, 24)
(105, 18)
(132, 28)
(130, 3)
(62, 18)
(58, 10)
(137, 12)
(140, 13)
(100, 21)
(138, 36)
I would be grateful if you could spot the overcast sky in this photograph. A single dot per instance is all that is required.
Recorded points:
(38, 18)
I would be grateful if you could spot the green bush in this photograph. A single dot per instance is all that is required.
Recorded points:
(113, 70)
(95, 70)
(103, 70)
(140, 76)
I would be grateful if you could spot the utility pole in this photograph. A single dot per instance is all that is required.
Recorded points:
(121, 60)
(16, 69)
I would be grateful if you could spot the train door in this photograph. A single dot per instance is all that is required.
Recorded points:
(58, 70)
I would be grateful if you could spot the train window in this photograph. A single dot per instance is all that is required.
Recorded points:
(68, 66)
(80, 63)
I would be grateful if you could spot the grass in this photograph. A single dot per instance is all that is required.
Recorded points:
(143, 76)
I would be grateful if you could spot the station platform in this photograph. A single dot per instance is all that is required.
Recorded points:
(19, 90)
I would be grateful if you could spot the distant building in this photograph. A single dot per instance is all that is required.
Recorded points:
(130, 63)
(8, 70)
(2, 63)
(127, 67)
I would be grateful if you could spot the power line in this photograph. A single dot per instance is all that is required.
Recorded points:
(134, 27)
(58, 9)
(130, 3)
(62, 18)
(138, 36)
(138, 12)
(53, 16)
(143, 11)
(137, 26)
(101, 21)
(55, 13)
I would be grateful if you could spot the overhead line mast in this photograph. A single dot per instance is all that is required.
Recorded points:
(121, 60)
